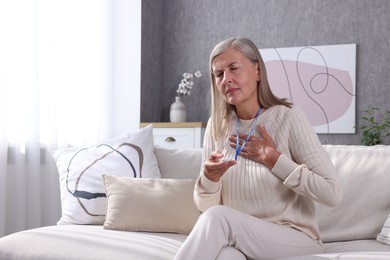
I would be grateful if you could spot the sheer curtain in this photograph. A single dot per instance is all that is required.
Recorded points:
(56, 59)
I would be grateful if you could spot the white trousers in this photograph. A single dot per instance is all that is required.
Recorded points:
(225, 233)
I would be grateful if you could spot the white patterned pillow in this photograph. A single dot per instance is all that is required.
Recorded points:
(83, 198)
(384, 235)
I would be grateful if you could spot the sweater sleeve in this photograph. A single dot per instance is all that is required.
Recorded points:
(206, 192)
(309, 171)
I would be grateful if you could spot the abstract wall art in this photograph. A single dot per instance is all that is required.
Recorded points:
(321, 80)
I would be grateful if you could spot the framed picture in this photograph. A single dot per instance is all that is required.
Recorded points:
(321, 80)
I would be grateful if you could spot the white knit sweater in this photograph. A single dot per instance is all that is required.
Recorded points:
(284, 195)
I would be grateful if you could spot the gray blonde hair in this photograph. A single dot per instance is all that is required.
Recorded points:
(221, 111)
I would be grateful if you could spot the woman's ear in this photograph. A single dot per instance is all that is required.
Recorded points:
(258, 71)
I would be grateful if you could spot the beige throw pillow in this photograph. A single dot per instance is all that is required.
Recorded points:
(153, 205)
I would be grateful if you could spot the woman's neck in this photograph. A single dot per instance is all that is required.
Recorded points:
(247, 113)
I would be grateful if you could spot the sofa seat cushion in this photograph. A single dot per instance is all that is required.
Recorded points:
(366, 245)
(343, 256)
(88, 242)
(369, 249)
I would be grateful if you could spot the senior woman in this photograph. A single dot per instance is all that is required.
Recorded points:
(263, 168)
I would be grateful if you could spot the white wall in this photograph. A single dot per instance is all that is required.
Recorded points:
(126, 66)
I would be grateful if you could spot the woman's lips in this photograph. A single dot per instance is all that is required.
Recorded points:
(231, 90)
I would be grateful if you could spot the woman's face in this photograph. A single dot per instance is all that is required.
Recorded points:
(236, 78)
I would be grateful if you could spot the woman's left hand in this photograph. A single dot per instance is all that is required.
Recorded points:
(259, 149)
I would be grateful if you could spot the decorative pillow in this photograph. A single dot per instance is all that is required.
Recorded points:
(179, 163)
(83, 198)
(152, 205)
(384, 235)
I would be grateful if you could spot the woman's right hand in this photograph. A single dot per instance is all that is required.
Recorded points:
(215, 168)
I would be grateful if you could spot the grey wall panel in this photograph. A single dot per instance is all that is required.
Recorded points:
(152, 60)
(178, 35)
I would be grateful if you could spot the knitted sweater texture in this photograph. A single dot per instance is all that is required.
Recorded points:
(302, 176)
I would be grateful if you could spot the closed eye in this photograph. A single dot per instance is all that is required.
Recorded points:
(234, 68)
(217, 74)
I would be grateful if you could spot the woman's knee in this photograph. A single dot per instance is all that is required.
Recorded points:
(217, 212)
(218, 216)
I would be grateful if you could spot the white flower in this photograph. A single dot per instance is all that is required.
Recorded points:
(187, 83)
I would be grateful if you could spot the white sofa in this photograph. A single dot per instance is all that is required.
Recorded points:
(349, 230)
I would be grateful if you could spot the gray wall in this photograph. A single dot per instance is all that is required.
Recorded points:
(178, 35)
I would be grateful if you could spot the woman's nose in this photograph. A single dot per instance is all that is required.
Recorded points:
(226, 77)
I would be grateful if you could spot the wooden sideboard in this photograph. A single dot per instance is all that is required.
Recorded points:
(177, 135)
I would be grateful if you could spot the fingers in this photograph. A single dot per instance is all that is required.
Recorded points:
(241, 137)
(215, 156)
(215, 168)
(263, 132)
(257, 148)
(221, 166)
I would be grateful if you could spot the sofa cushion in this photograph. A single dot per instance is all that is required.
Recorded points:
(83, 198)
(364, 173)
(365, 245)
(88, 242)
(179, 163)
(153, 205)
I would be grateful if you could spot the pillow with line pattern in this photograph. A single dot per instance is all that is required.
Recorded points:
(83, 197)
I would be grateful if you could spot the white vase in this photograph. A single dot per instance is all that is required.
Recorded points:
(178, 111)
